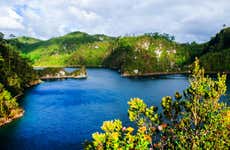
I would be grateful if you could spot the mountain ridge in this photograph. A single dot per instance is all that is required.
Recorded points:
(150, 52)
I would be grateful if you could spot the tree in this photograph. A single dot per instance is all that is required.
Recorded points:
(7, 103)
(12, 36)
(194, 120)
(15, 71)
(1, 36)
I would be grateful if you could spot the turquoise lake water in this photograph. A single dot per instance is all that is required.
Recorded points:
(62, 114)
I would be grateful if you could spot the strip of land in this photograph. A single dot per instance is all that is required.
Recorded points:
(153, 74)
(63, 77)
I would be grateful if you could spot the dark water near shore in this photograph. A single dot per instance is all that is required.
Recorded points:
(62, 114)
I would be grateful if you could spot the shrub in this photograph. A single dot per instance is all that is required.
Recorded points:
(194, 120)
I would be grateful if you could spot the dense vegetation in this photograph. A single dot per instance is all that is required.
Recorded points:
(159, 53)
(132, 55)
(76, 48)
(216, 54)
(194, 120)
(7, 103)
(146, 54)
(90, 55)
(15, 75)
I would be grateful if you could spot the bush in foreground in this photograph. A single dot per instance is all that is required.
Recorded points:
(194, 120)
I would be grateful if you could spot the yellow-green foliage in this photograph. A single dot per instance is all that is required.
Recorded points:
(7, 103)
(118, 137)
(196, 120)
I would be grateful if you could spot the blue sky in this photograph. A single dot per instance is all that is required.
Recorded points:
(187, 20)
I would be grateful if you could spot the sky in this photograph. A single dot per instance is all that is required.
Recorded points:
(187, 20)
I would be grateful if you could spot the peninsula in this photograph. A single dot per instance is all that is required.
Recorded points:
(61, 73)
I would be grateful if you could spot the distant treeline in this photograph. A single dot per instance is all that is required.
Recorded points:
(131, 54)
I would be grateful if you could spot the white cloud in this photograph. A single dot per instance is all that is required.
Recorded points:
(82, 14)
(9, 19)
(187, 20)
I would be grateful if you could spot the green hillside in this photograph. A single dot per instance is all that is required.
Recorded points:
(132, 55)
(25, 40)
(216, 54)
(57, 51)
(91, 55)
(146, 54)
(152, 53)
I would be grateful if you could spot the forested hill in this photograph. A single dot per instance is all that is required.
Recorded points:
(133, 55)
(152, 53)
(58, 51)
(16, 74)
(147, 54)
(216, 52)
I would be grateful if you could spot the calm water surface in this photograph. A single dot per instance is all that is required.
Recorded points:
(63, 114)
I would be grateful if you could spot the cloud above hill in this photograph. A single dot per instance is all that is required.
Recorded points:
(187, 20)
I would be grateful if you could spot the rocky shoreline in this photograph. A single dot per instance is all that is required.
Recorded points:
(33, 83)
(152, 74)
(63, 77)
(17, 113)
(165, 73)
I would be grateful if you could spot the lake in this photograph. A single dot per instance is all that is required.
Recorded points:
(62, 114)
